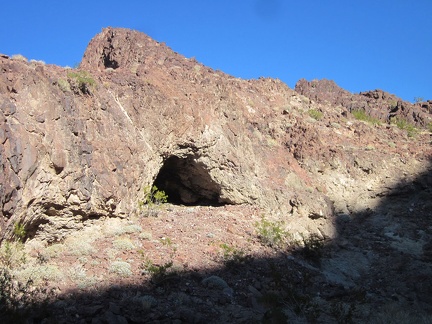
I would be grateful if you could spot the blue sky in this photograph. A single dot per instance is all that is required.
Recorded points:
(361, 45)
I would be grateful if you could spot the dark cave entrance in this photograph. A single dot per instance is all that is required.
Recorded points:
(187, 182)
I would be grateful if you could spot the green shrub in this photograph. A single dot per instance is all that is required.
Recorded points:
(157, 272)
(315, 114)
(81, 81)
(19, 232)
(12, 255)
(271, 233)
(313, 247)
(64, 85)
(404, 124)
(233, 256)
(153, 199)
(362, 115)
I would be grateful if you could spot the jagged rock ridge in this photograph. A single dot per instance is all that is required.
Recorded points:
(377, 103)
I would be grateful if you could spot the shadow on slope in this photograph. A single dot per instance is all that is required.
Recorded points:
(377, 269)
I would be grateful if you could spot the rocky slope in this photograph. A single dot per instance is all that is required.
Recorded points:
(78, 146)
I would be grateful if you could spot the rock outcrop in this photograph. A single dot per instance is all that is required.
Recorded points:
(377, 103)
(79, 144)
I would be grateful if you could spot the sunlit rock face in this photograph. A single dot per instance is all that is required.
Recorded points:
(79, 144)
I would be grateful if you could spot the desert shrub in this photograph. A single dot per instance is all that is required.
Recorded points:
(121, 268)
(157, 272)
(153, 199)
(214, 282)
(179, 298)
(145, 236)
(362, 115)
(79, 246)
(404, 124)
(146, 301)
(272, 233)
(112, 253)
(78, 274)
(19, 57)
(19, 231)
(12, 255)
(52, 251)
(123, 244)
(37, 61)
(63, 85)
(315, 114)
(18, 296)
(232, 256)
(312, 247)
(39, 274)
(131, 228)
(81, 81)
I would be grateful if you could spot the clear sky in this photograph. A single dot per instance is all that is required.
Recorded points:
(361, 45)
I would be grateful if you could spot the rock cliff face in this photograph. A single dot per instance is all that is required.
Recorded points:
(79, 144)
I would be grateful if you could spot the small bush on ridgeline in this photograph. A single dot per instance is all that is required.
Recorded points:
(37, 61)
(418, 99)
(19, 57)
(315, 114)
(363, 116)
(81, 81)
(153, 199)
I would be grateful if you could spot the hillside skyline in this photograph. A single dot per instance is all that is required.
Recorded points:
(385, 45)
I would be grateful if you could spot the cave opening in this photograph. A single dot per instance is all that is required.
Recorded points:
(109, 62)
(187, 182)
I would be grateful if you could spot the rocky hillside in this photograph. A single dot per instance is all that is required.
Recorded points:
(79, 145)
